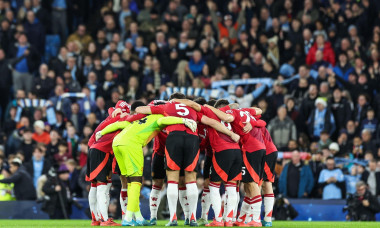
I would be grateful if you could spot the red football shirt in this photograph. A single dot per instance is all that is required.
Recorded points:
(159, 143)
(270, 147)
(105, 142)
(218, 140)
(178, 110)
(252, 141)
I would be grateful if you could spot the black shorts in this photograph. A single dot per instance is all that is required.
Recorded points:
(182, 151)
(158, 166)
(253, 167)
(207, 167)
(270, 164)
(226, 166)
(99, 165)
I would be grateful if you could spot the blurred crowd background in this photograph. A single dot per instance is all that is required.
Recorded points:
(63, 63)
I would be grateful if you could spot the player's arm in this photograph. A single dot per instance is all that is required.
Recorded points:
(170, 120)
(189, 103)
(111, 128)
(143, 110)
(219, 127)
(221, 115)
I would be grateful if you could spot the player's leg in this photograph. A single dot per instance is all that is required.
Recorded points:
(92, 193)
(232, 166)
(174, 154)
(256, 162)
(134, 161)
(123, 195)
(270, 164)
(158, 176)
(191, 158)
(172, 194)
(182, 197)
(215, 198)
(205, 200)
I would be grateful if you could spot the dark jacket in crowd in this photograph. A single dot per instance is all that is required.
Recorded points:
(306, 181)
(53, 206)
(33, 59)
(23, 184)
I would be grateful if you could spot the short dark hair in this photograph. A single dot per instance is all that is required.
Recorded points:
(136, 104)
(221, 103)
(211, 102)
(177, 95)
(200, 101)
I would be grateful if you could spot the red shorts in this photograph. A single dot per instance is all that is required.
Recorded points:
(253, 167)
(269, 166)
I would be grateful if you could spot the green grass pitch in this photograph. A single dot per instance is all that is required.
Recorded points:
(86, 223)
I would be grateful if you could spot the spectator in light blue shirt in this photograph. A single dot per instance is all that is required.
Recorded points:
(331, 180)
(353, 178)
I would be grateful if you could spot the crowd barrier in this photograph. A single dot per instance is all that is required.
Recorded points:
(308, 209)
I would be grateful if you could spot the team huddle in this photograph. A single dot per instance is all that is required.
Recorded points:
(237, 146)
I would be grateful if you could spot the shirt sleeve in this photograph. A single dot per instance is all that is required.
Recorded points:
(209, 113)
(160, 109)
(225, 108)
(321, 177)
(132, 118)
(114, 127)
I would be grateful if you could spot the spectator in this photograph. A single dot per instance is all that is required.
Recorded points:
(343, 68)
(327, 51)
(58, 188)
(59, 18)
(35, 32)
(74, 172)
(63, 154)
(28, 144)
(321, 119)
(358, 151)
(331, 180)
(52, 147)
(368, 143)
(27, 62)
(360, 111)
(296, 180)
(38, 165)
(354, 177)
(42, 85)
(324, 141)
(316, 165)
(40, 135)
(5, 81)
(282, 129)
(372, 178)
(23, 183)
(340, 108)
(81, 36)
(370, 123)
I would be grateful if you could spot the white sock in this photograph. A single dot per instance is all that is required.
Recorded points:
(205, 203)
(268, 207)
(154, 201)
(192, 199)
(102, 201)
(182, 196)
(256, 208)
(92, 202)
(231, 202)
(244, 210)
(123, 201)
(237, 204)
(172, 194)
(109, 184)
(216, 201)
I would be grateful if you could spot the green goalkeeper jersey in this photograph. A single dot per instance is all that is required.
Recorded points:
(140, 131)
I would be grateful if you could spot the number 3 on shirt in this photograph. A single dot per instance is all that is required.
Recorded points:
(248, 115)
(182, 110)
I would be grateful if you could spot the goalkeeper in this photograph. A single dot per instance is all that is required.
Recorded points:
(127, 147)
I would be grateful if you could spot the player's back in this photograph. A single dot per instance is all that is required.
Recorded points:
(178, 110)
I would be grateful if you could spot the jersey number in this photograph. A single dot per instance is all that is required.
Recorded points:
(248, 115)
(182, 110)
(227, 125)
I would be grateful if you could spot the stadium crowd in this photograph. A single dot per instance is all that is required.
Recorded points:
(63, 63)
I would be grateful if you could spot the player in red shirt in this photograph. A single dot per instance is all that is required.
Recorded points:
(253, 148)
(99, 166)
(226, 166)
(181, 152)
